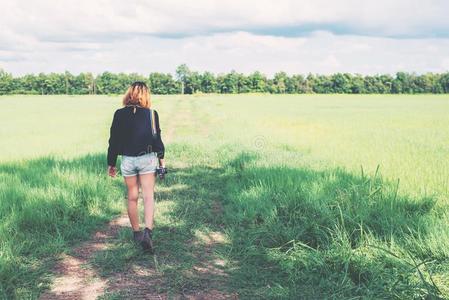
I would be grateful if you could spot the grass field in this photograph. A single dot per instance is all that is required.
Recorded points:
(315, 196)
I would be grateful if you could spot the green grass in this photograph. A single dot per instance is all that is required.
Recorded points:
(337, 196)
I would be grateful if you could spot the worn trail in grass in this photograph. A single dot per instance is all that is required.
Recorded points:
(109, 265)
(268, 197)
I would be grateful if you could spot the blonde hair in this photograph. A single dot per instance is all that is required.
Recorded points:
(138, 94)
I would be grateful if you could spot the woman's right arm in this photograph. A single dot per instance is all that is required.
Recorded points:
(113, 145)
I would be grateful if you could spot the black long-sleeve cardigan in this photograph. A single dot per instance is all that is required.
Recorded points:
(131, 134)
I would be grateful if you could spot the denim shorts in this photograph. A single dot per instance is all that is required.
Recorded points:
(134, 165)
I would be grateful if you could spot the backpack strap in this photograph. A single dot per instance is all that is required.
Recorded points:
(153, 123)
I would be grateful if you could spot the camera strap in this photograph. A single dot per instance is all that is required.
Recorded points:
(153, 123)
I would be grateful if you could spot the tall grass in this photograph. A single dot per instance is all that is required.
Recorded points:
(46, 205)
(333, 234)
(318, 196)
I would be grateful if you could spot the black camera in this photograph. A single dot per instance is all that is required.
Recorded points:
(161, 171)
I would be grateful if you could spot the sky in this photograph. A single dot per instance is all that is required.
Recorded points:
(298, 37)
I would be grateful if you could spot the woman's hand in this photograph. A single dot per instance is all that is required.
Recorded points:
(112, 171)
(161, 170)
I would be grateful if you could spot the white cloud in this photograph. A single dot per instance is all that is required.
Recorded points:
(71, 18)
(316, 36)
(244, 52)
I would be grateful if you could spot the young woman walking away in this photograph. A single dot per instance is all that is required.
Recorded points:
(136, 135)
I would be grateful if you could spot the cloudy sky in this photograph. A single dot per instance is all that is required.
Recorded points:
(296, 36)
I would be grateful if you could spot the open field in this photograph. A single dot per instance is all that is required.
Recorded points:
(313, 196)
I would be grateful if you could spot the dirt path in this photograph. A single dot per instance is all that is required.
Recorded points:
(77, 278)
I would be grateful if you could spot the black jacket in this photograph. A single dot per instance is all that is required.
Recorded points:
(131, 134)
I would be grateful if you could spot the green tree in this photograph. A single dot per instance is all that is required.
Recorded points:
(208, 83)
(258, 82)
(162, 84)
(6, 83)
(280, 81)
(322, 84)
(182, 74)
(341, 83)
(229, 83)
(191, 82)
(243, 83)
(109, 83)
(444, 82)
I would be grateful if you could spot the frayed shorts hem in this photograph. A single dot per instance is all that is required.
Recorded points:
(131, 175)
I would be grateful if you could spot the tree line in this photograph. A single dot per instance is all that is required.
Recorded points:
(187, 81)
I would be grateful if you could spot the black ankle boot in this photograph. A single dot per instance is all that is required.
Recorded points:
(138, 236)
(147, 240)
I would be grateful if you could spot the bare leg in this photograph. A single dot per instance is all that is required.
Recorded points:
(133, 195)
(147, 182)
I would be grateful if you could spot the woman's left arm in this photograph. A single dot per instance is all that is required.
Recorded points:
(159, 143)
